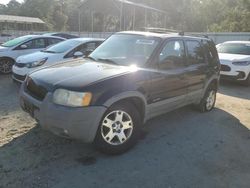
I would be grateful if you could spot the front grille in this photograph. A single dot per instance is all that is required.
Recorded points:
(35, 90)
(20, 65)
(19, 77)
(225, 68)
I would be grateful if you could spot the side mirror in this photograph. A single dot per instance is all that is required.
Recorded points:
(78, 54)
(24, 46)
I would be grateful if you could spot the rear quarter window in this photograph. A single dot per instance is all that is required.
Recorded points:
(211, 52)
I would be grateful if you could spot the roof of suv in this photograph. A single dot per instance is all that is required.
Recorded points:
(161, 35)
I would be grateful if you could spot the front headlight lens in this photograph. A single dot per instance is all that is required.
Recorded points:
(242, 63)
(36, 63)
(71, 98)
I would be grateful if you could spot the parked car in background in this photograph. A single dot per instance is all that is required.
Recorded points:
(66, 50)
(235, 61)
(129, 79)
(63, 35)
(11, 50)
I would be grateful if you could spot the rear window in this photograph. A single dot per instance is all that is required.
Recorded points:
(234, 48)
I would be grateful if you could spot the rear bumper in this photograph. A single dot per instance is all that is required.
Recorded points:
(76, 123)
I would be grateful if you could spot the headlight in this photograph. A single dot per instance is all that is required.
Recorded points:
(71, 98)
(36, 63)
(242, 63)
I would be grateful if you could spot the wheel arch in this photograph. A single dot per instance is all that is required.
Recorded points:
(7, 57)
(136, 98)
(213, 81)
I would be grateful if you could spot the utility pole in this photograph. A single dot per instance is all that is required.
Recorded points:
(79, 22)
(134, 20)
(79, 16)
(121, 14)
(92, 21)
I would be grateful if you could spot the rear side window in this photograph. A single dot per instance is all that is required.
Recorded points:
(211, 52)
(39, 43)
(52, 41)
(195, 52)
(172, 55)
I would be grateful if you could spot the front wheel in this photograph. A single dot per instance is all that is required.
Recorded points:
(6, 65)
(208, 102)
(118, 129)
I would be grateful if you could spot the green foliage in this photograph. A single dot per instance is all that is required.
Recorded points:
(187, 15)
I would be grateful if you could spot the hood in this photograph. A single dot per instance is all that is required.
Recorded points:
(233, 57)
(76, 74)
(3, 49)
(34, 57)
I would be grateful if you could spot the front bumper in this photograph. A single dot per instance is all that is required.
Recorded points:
(77, 123)
(237, 73)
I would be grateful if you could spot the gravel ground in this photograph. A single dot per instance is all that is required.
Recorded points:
(183, 148)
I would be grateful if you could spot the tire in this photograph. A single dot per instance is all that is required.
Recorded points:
(6, 65)
(119, 129)
(208, 101)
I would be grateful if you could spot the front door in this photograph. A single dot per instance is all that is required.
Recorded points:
(169, 83)
(29, 47)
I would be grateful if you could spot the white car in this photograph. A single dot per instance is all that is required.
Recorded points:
(11, 50)
(69, 49)
(235, 60)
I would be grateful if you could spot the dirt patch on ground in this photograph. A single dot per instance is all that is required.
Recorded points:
(183, 148)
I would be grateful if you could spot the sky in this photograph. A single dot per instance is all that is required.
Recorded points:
(7, 1)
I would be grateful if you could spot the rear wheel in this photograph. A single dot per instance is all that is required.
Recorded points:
(118, 130)
(6, 65)
(208, 101)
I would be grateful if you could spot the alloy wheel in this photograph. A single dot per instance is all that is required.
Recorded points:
(5, 66)
(117, 127)
(210, 100)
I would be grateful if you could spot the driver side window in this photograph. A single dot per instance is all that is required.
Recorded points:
(172, 56)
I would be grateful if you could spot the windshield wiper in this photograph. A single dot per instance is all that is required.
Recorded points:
(109, 61)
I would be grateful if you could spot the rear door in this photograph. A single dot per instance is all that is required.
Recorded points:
(169, 84)
(197, 68)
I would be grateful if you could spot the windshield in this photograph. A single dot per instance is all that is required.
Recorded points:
(16, 41)
(63, 47)
(125, 50)
(234, 48)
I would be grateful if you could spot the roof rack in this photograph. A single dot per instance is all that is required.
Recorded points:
(198, 35)
(163, 30)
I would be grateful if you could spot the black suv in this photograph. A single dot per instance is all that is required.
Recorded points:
(130, 78)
